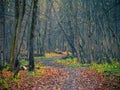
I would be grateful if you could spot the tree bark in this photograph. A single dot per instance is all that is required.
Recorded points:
(31, 43)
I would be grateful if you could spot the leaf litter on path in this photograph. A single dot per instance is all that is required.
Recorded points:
(54, 77)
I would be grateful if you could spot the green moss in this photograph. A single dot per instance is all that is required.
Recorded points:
(1, 81)
(5, 86)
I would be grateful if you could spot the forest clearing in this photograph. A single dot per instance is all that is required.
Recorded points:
(59, 44)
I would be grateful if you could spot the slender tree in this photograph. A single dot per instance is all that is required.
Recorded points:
(2, 33)
(32, 32)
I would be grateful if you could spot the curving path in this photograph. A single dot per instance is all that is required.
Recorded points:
(72, 79)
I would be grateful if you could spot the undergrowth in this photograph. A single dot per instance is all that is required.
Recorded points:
(50, 55)
(71, 63)
(105, 68)
(7, 79)
(23, 63)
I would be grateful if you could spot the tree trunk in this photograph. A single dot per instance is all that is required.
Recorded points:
(31, 43)
(2, 33)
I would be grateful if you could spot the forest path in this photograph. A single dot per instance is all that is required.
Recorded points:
(63, 78)
(50, 61)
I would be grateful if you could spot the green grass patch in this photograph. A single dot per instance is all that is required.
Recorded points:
(35, 73)
(107, 69)
(48, 55)
(40, 65)
(39, 57)
(23, 63)
(71, 62)
(31, 73)
(52, 54)
(38, 70)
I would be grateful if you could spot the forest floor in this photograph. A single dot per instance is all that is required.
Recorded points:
(63, 78)
(53, 76)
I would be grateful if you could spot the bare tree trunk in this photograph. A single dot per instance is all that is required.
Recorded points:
(2, 33)
(31, 43)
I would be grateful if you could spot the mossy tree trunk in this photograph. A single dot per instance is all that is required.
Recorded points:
(19, 13)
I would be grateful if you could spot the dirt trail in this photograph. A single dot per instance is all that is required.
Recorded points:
(58, 77)
(76, 79)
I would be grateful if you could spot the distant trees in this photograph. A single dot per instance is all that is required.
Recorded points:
(89, 29)
(15, 33)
